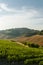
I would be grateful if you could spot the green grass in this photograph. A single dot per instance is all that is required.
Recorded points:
(11, 51)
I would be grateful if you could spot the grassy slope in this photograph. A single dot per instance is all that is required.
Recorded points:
(35, 39)
(15, 52)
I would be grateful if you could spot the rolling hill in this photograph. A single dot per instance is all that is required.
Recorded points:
(23, 34)
(18, 32)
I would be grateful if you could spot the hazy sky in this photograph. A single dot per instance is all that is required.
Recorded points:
(21, 13)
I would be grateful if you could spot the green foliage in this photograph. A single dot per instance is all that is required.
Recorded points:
(34, 45)
(41, 32)
(31, 44)
(11, 51)
(41, 63)
(25, 43)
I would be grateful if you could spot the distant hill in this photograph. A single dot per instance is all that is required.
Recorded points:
(18, 32)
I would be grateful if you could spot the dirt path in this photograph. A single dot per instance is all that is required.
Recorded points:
(22, 44)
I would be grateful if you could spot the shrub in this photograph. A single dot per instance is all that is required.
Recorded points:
(33, 45)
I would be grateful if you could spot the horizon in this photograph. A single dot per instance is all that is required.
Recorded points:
(20, 28)
(21, 14)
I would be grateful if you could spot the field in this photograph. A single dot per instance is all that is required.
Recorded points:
(38, 39)
(12, 53)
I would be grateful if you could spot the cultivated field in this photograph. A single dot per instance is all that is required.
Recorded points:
(12, 53)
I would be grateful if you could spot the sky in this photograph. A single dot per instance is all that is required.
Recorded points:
(21, 13)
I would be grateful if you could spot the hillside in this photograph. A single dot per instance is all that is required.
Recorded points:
(38, 39)
(23, 34)
(18, 32)
(12, 53)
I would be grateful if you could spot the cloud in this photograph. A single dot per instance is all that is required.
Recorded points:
(20, 18)
(5, 7)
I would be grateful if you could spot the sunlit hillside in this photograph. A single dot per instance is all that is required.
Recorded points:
(13, 53)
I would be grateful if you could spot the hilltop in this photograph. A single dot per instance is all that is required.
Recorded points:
(18, 32)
